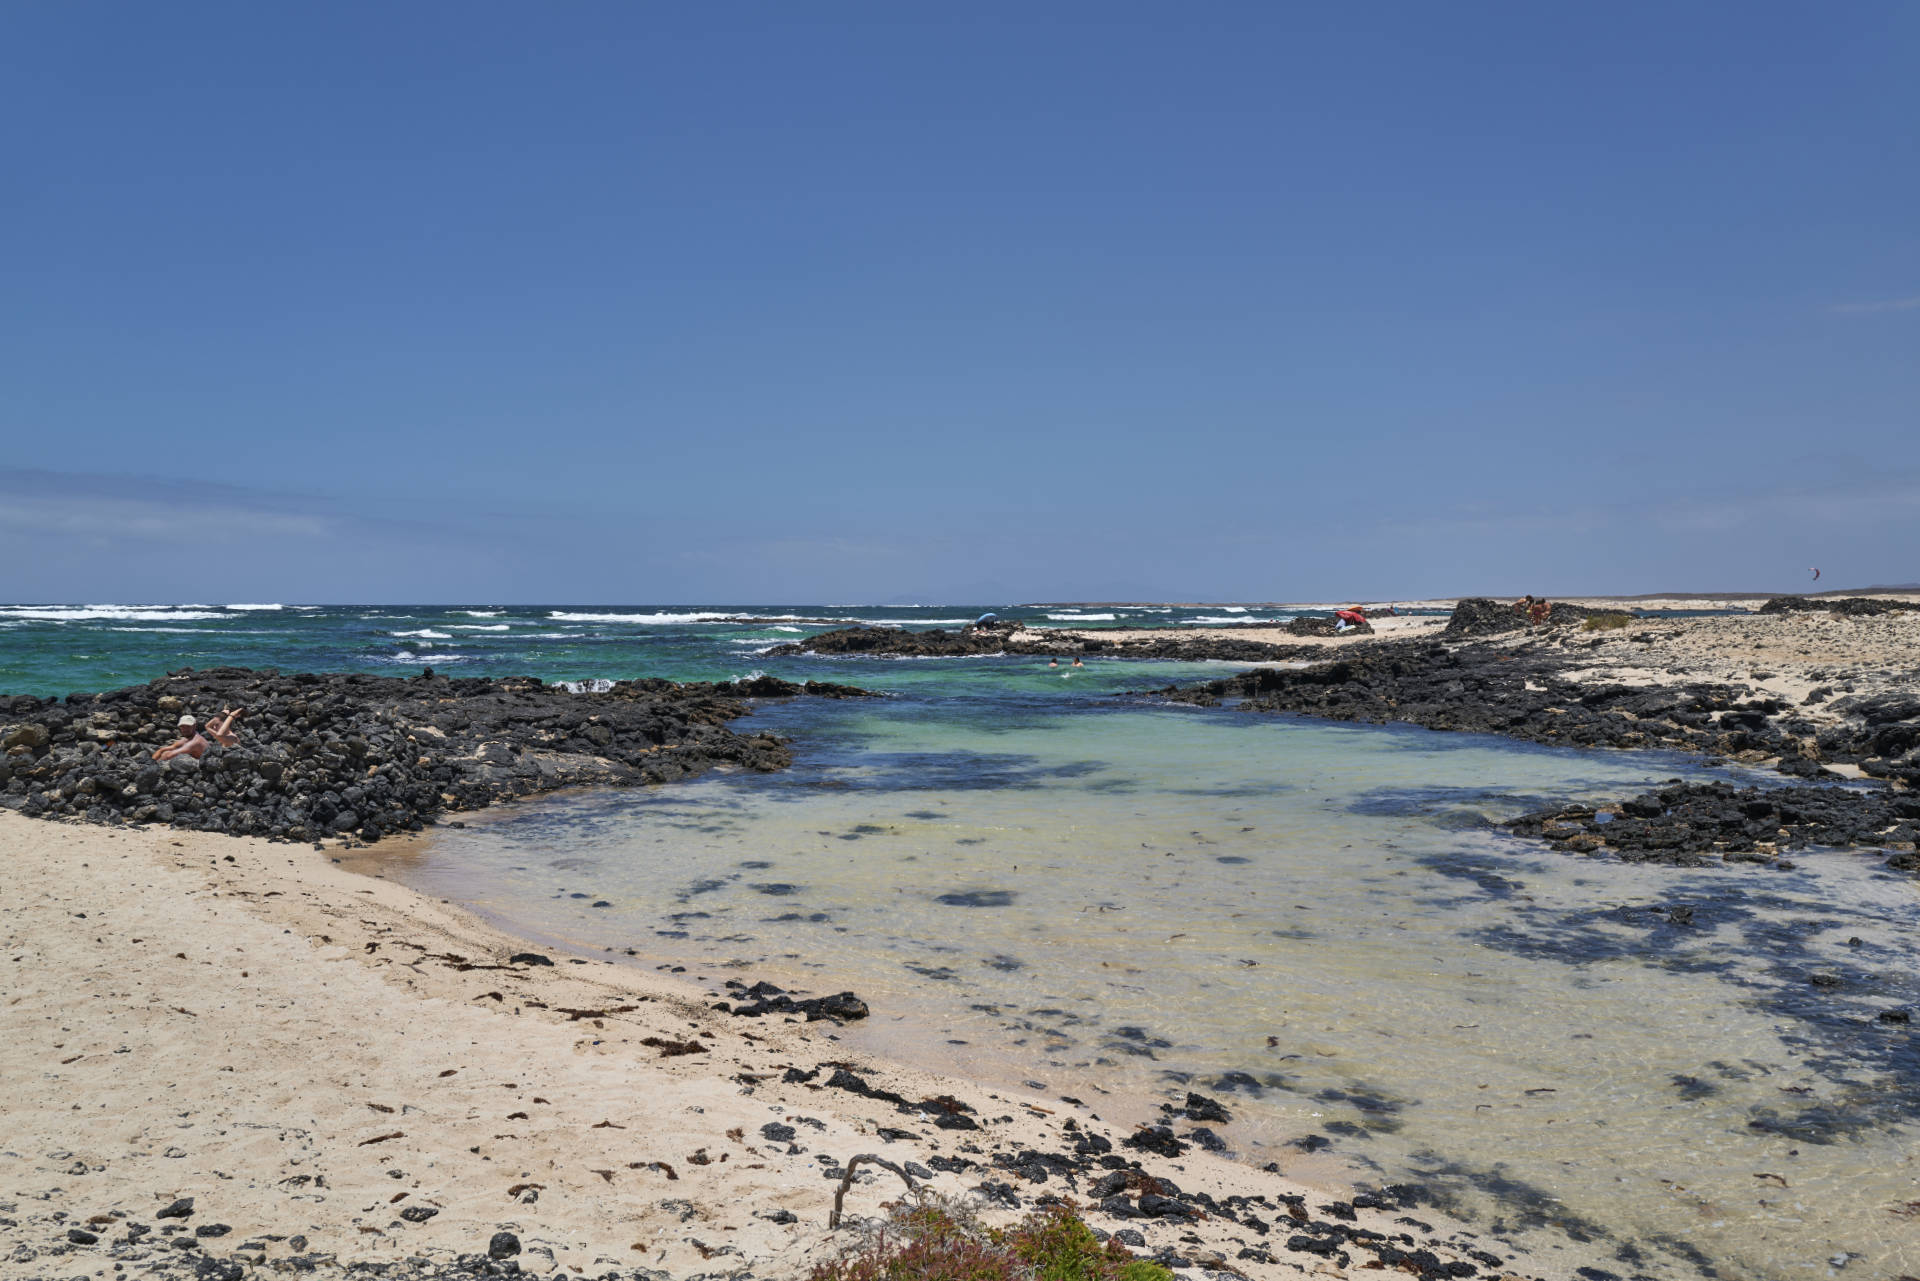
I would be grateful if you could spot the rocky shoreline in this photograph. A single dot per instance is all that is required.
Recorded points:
(1006, 638)
(1697, 824)
(1546, 685)
(361, 757)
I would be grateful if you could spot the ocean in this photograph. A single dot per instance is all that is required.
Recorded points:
(1044, 878)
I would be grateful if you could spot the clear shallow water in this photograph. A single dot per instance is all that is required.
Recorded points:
(1306, 921)
(1032, 880)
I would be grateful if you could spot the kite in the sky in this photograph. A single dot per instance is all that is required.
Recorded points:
(1816, 574)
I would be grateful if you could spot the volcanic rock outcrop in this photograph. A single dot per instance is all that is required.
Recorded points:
(897, 642)
(364, 756)
(1479, 616)
(1691, 824)
(1845, 606)
(1525, 693)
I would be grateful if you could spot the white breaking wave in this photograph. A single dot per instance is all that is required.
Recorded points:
(1081, 618)
(405, 657)
(481, 627)
(787, 629)
(551, 636)
(599, 685)
(424, 634)
(110, 613)
(903, 622)
(560, 616)
(194, 631)
(481, 613)
(1213, 618)
(269, 608)
(1235, 609)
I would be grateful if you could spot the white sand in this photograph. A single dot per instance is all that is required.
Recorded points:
(296, 1047)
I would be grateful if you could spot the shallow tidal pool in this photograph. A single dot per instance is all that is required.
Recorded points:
(1314, 923)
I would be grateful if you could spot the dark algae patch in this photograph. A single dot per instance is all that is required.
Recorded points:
(976, 898)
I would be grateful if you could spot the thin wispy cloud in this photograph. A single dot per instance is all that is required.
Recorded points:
(1875, 308)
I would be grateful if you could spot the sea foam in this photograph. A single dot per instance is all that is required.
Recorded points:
(110, 613)
(561, 616)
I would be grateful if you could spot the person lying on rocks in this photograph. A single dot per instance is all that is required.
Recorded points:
(190, 743)
(1540, 611)
(221, 730)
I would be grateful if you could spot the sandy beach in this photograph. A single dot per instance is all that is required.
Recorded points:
(336, 1069)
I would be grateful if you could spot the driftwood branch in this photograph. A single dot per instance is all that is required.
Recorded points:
(846, 1181)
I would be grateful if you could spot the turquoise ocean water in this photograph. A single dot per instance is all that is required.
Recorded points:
(1039, 878)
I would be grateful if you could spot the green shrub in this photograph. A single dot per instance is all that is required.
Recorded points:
(1611, 621)
(930, 1242)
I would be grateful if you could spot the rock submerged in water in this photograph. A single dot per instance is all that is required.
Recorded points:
(1689, 824)
(764, 998)
(362, 756)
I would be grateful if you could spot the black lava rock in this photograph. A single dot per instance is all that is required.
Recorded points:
(504, 1245)
(1689, 824)
(1155, 1138)
(764, 998)
(1201, 1108)
(362, 756)
(1163, 1207)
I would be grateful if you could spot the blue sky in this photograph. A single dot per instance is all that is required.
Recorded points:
(874, 302)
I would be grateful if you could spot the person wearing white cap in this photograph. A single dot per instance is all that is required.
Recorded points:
(190, 743)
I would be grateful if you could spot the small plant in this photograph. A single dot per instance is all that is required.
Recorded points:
(1611, 621)
(932, 1241)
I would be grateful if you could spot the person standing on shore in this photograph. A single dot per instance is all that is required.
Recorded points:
(189, 742)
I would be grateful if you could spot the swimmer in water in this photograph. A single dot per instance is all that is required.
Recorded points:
(1078, 663)
(1053, 662)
